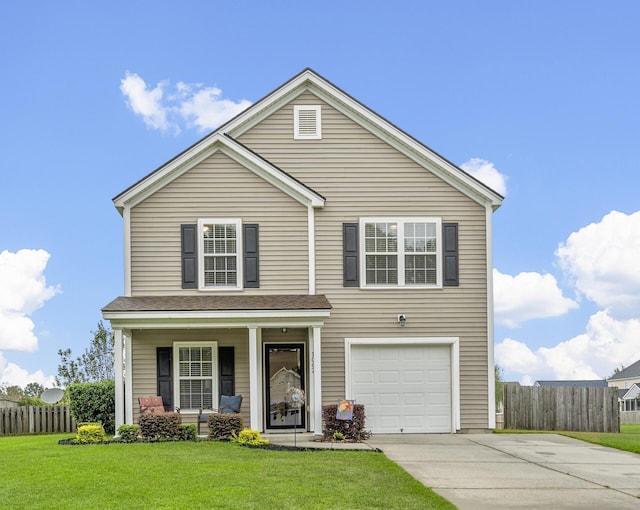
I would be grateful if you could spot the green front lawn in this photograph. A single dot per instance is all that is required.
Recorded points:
(38, 473)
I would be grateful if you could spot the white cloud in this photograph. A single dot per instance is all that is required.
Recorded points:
(206, 110)
(13, 375)
(192, 104)
(144, 101)
(606, 344)
(23, 290)
(602, 260)
(527, 296)
(486, 173)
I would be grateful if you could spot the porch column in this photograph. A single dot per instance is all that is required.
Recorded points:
(316, 368)
(128, 384)
(254, 379)
(119, 381)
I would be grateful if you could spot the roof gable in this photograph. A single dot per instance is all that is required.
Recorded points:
(632, 371)
(308, 80)
(218, 142)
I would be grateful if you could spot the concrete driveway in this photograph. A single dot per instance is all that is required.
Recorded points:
(545, 471)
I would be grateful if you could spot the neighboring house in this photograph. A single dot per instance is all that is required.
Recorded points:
(594, 383)
(311, 228)
(626, 377)
(627, 381)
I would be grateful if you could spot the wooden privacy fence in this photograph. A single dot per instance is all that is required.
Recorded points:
(561, 408)
(36, 420)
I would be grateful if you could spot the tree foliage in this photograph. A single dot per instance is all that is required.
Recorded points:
(96, 364)
(33, 389)
(499, 385)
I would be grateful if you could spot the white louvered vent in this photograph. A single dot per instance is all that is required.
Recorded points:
(307, 122)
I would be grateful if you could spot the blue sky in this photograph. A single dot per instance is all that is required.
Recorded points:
(540, 99)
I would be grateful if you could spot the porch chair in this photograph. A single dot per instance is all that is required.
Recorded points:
(228, 405)
(151, 405)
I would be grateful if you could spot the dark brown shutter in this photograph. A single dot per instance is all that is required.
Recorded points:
(226, 360)
(450, 255)
(189, 240)
(164, 372)
(350, 273)
(250, 255)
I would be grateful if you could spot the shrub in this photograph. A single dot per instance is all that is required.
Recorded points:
(160, 426)
(32, 401)
(94, 402)
(351, 430)
(248, 437)
(89, 433)
(128, 433)
(223, 426)
(188, 432)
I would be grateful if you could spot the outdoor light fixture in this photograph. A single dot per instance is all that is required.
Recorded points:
(402, 319)
(284, 330)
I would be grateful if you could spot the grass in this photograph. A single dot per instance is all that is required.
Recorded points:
(39, 473)
(628, 439)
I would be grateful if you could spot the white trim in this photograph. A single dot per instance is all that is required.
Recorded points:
(128, 377)
(490, 324)
(400, 221)
(453, 342)
(255, 371)
(317, 133)
(230, 316)
(315, 360)
(176, 372)
(119, 381)
(311, 230)
(126, 216)
(238, 255)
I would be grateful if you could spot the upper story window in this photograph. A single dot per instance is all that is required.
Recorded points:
(401, 252)
(220, 251)
(307, 122)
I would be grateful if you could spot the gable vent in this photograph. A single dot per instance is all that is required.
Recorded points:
(307, 122)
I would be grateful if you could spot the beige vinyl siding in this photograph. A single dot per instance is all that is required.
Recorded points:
(218, 188)
(360, 175)
(144, 365)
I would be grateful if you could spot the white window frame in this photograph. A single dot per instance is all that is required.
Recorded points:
(201, 256)
(297, 135)
(400, 222)
(177, 378)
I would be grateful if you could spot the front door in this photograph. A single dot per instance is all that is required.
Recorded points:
(284, 371)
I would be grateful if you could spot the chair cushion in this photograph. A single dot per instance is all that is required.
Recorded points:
(230, 404)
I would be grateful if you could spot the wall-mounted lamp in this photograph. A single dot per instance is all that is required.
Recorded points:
(402, 319)
(284, 330)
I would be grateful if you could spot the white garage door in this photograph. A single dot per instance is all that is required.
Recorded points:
(405, 388)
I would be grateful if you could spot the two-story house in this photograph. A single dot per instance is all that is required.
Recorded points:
(309, 242)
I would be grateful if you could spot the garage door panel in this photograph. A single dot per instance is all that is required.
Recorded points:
(405, 388)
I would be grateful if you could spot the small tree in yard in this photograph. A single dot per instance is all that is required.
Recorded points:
(95, 365)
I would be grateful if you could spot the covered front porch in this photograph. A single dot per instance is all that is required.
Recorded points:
(266, 335)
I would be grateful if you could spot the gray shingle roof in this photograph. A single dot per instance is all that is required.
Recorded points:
(217, 303)
(627, 373)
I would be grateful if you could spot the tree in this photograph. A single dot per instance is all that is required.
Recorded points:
(499, 386)
(12, 392)
(95, 365)
(33, 389)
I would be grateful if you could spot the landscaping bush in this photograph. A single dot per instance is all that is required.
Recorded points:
(90, 433)
(128, 433)
(94, 402)
(223, 426)
(188, 432)
(349, 430)
(32, 401)
(248, 437)
(160, 426)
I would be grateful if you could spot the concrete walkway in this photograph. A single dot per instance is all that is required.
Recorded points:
(493, 471)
